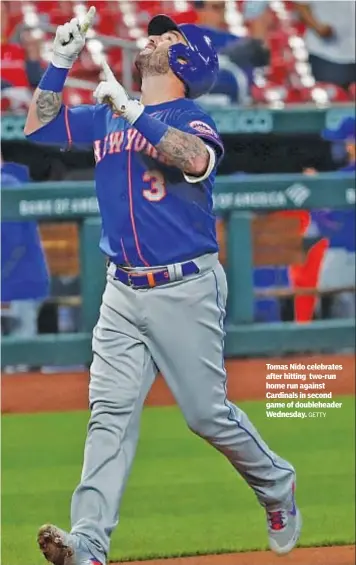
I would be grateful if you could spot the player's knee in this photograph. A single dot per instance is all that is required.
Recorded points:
(107, 395)
(115, 405)
(110, 415)
(106, 399)
(202, 422)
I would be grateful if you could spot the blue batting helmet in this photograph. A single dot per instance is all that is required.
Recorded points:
(195, 64)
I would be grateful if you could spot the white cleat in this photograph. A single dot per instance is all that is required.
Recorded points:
(284, 527)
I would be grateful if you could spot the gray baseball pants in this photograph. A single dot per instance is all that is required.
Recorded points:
(177, 329)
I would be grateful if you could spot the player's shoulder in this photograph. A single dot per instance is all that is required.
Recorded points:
(196, 115)
(201, 121)
(191, 106)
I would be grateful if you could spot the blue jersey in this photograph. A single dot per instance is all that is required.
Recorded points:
(151, 214)
(338, 225)
(24, 274)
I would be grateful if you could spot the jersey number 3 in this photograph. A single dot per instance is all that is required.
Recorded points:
(157, 190)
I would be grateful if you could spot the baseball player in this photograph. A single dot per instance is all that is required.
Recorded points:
(164, 303)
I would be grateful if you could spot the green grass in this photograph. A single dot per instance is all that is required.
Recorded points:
(182, 497)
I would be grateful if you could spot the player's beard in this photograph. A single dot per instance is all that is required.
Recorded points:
(152, 64)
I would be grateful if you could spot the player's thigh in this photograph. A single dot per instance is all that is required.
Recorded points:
(186, 340)
(122, 369)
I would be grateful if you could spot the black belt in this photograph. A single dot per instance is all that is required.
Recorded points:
(150, 279)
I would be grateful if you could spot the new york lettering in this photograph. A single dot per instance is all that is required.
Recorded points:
(129, 140)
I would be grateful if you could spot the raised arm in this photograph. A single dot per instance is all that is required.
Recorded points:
(47, 99)
(44, 107)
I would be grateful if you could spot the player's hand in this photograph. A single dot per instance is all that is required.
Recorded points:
(70, 40)
(111, 92)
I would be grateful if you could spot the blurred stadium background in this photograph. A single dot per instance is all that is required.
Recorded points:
(285, 202)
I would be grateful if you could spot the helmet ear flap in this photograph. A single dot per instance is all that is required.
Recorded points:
(179, 62)
(180, 51)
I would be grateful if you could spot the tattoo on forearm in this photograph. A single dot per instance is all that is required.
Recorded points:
(48, 105)
(184, 150)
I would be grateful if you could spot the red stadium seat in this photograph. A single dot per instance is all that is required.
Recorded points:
(114, 56)
(5, 105)
(277, 41)
(294, 96)
(352, 91)
(13, 65)
(333, 93)
(151, 6)
(279, 70)
(258, 94)
(306, 95)
(65, 7)
(188, 17)
(107, 5)
(45, 7)
(13, 8)
(13, 21)
(76, 96)
(107, 22)
(91, 75)
(57, 18)
(274, 93)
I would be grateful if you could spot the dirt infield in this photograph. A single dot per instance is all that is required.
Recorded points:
(37, 392)
(340, 555)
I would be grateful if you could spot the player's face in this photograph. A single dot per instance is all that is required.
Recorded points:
(153, 59)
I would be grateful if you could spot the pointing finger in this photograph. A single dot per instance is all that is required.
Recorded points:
(88, 20)
(109, 75)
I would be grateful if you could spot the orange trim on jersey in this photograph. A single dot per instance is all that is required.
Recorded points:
(132, 217)
(66, 121)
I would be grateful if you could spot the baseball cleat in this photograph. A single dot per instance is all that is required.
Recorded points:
(284, 527)
(58, 547)
(55, 545)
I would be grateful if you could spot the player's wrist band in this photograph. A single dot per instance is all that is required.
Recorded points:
(153, 130)
(53, 79)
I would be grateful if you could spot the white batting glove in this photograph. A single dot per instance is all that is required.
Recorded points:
(70, 40)
(111, 92)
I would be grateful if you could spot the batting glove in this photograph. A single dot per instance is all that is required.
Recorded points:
(111, 92)
(70, 40)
